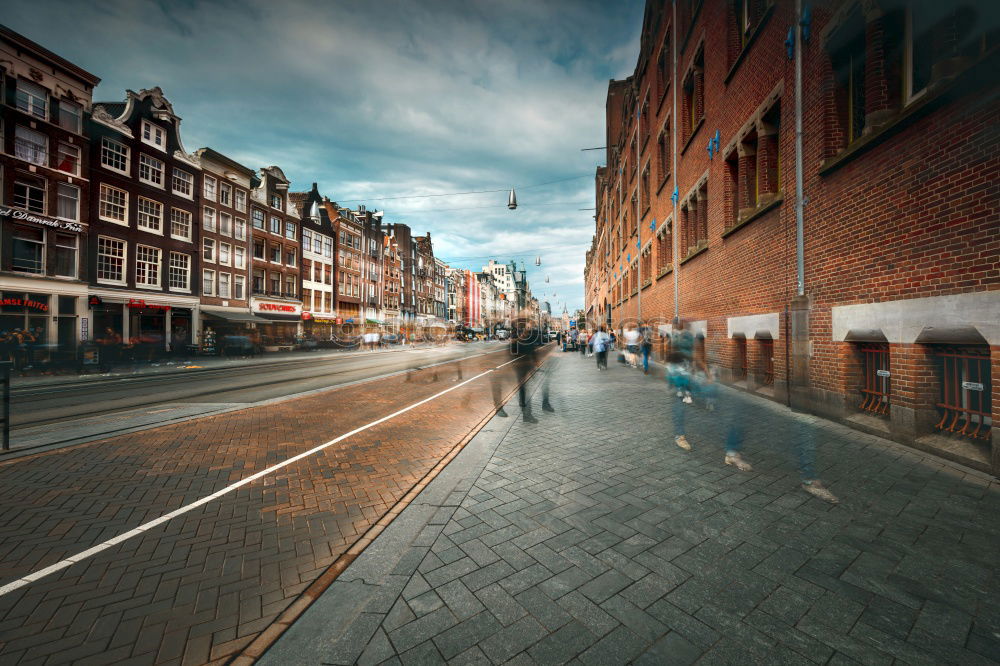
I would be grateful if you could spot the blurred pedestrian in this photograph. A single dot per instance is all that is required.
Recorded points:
(582, 341)
(631, 336)
(600, 342)
(646, 343)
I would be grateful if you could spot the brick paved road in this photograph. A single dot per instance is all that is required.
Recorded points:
(200, 587)
(590, 538)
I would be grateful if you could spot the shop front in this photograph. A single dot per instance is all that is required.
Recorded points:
(279, 324)
(228, 331)
(142, 328)
(40, 323)
(319, 328)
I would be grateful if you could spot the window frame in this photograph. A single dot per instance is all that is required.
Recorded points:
(207, 282)
(125, 154)
(171, 266)
(29, 185)
(158, 252)
(156, 129)
(158, 230)
(75, 158)
(149, 165)
(209, 249)
(124, 261)
(59, 185)
(206, 179)
(65, 105)
(190, 220)
(30, 106)
(174, 179)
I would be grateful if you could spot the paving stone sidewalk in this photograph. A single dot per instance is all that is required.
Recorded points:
(589, 537)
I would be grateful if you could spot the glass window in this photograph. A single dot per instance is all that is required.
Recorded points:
(225, 194)
(182, 183)
(110, 259)
(306, 239)
(276, 225)
(68, 201)
(290, 257)
(29, 196)
(276, 201)
(239, 287)
(28, 249)
(70, 115)
(224, 285)
(290, 230)
(241, 201)
(208, 283)
(180, 270)
(149, 215)
(208, 220)
(318, 244)
(210, 184)
(258, 218)
(290, 286)
(208, 249)
(147, 266)
(150, 170)
(31, 146)
(113, 204)
(239, 256)
(258, 249)
(328, 247)
(68, 159)
(275, 253)
(114, 155)
(258, 281)
(240, 229)
(154, 135)
(65, 254)
(180, 224)
(225, 224)
(225, 253)
(32, 98)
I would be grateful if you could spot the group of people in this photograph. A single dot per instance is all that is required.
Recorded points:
(637, 343)
(18, 346)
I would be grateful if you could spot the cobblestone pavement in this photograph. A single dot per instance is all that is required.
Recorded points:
(589, 537)
(202, 586)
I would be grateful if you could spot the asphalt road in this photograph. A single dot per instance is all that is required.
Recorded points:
(53, 403)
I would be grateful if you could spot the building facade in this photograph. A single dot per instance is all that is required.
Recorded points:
(371, 269)
(145, 234)
(891, 325)
(319, 292)
(349, 266)
(44, 197)
(392, 277)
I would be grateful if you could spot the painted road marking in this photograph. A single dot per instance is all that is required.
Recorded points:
(145, 527)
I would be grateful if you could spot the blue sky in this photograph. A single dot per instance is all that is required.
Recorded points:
(385, 99)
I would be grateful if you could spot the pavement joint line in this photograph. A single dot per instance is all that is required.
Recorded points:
(18, 453)
(256, 648)
(58, 566)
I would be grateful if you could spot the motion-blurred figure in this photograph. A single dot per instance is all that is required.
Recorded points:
(601, 342)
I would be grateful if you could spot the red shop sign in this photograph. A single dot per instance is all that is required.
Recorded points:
(276, 307)
(306, 316)
(23, 303)
(141, 304)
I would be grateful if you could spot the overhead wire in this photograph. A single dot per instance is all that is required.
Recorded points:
(455, 194)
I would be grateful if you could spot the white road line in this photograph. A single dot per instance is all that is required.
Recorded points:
(114, 541)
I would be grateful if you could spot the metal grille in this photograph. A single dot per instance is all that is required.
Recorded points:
(875, 394)
(767, 359)
(965, 405)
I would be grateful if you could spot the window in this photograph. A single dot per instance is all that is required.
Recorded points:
(147, 266)
(208, 283)
(317, 244)
(694, 218)
(663, 63)
(68, 159)
(225, 224)
(208, 219)
(239, 287)
(258, 281)
(240, 256)
(275, 284)
(31, 146)
(68, 202)
(154, 135)
(224, 280)
(110, 260)
(180, 224)
(32, 98)
(28, 250)
(664, 151)
(226, 194)
(849, 71)
(114, 155)
(150, 215)
(275, 253)
(645, 189)
(694, 96)
(306, 239)
(240, 229)
(241, 201)
(276, 201)
(225, 253)
(180, 271)
(290, 230)
(150, 170)
(208, 249)
(65, 255)
(752, 170)
(182, 183)
(290, 257)
(29, 196)
(328, 247)
(276, 225)
(258, 218)
(664, 249)
(291, 287)
(70, 116)
(210, 184)
(258, 249)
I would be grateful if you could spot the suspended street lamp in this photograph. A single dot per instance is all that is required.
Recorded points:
(512, 199)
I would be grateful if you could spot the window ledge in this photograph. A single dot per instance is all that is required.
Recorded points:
(977, 75)
(756, 213)
(666, 271)
(694, 133)
(753, 37)
(647, 283)
(694, 253)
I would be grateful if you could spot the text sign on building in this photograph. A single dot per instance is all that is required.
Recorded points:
(281, 308)
(882, 373)
(24, 216)
(140, 304)
(24, 303)
(972, 386)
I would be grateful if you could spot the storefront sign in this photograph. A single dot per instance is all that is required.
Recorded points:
(24, 303)
(882, 373)
(140, 304)
(972, 386)
(84, 329)
(275, 307)
(95, 301)
(25, 216)
(306, 316)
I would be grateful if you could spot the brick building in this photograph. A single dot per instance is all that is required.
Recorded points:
(348, 227)
(225, 248)
(319, 266)
(371, 267)
(424, 280)
(406, 248)
(392, 282)
(44, 194)
(145, 231)
(894, 328)
(275, 277)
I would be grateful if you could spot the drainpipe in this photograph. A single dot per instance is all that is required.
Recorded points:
(638, 209)
(675, 249)
(800, 266)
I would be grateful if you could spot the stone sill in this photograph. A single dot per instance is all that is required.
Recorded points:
(647, 283)
(691, 255)
(750, 217)
(665, 271)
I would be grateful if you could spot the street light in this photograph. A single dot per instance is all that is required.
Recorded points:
(512, 200)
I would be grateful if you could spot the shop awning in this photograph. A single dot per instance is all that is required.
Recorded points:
(272, 316)
(373, 321)
(228, 314)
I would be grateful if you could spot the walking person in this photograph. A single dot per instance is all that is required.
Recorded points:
(600, 342)
(631, 336)
(646, 344)
(582, 341)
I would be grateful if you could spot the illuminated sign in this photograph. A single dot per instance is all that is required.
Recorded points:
(24, 303)
(25, 216)
(139, 303)
(275, 307)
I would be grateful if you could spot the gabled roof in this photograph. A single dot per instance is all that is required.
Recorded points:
(43, 53)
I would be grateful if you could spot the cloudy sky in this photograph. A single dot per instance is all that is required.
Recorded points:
(374, 99)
